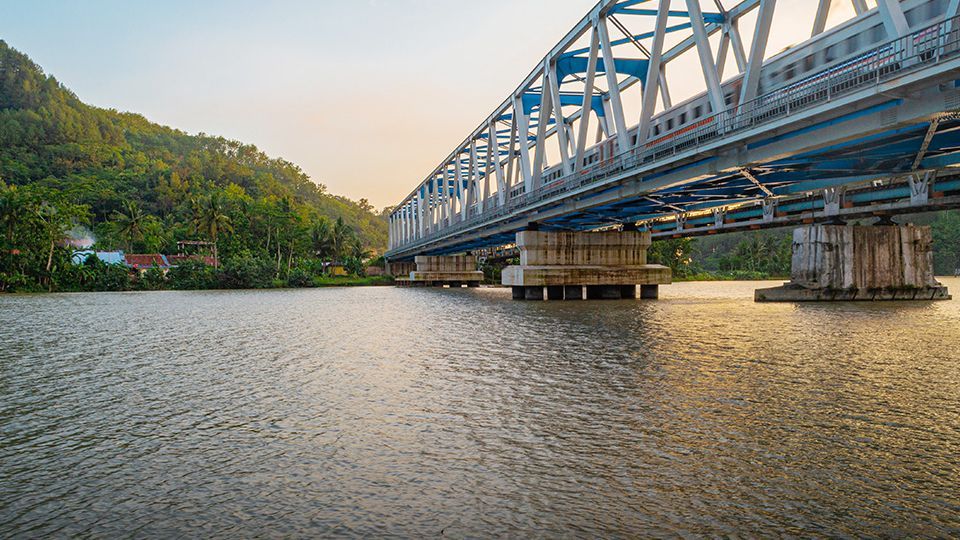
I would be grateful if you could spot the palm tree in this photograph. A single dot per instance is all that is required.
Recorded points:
(321, 238)
(340, 238)
(210, 219)
(129, 223)
(357, 251)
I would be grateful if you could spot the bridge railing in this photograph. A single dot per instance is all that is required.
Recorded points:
(892, 59)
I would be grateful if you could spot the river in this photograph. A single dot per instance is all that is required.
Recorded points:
(413, 412)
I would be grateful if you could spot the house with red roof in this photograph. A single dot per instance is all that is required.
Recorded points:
(142, 263)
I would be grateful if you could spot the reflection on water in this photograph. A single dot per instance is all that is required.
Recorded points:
(417, 411)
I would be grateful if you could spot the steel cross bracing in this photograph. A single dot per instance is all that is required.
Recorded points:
(560, 151)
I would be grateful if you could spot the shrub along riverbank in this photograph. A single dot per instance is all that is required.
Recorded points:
(239, 273)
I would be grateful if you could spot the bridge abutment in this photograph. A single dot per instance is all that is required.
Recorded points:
(843, 263)
(443, 270)
(608, 265)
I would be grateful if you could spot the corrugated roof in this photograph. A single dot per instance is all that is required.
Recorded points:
(144, 261)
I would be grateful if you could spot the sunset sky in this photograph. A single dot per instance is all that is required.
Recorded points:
(366, 96)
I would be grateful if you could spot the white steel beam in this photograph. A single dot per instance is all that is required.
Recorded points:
(893, 19)
(493, 155)
(751, 79)
(860, 6)
(587, 99)
(561, 126)
(543, 118)
(723, 48)
(472, 181)
(523, 133)
(701, 38)
(820, 21)
(613, 85)
(736, 43)
(664, 87)
(512, 156)
(653, 73)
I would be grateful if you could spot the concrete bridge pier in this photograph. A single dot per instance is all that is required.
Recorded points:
(443, 270)
(400, 269)
(842, 263)
(567, 265)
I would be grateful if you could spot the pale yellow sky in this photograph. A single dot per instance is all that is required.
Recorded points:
(367, 97)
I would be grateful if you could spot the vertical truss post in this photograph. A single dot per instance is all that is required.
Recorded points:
(477, 176)
(706, 57)
(613, 85)
(653, 73)
(511, 157)
(543, 118)
(493, 153)
(859, 6)
(751, 80)
(523, 134)
(422, 209)
(442, 199)
(396, 229)
(463, 186)
(390, 232)
(401, 227)
(587, 99)
(409, 215)
(451, 197)
(820, 21)
(561, 129)
(473, 181)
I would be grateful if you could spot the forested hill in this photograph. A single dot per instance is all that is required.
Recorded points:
(114, 163)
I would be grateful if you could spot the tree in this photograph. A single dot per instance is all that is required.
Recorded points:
(210, 219)
(130, 223)
(340, 238)
(321, 238)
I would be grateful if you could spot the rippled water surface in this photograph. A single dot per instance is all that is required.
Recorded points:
(413, 412)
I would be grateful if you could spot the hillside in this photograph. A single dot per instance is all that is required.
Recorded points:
(105, 159)
(68, 169)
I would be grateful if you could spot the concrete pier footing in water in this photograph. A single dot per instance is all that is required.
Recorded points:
(443, 270)
(843, 263)
(577, 265)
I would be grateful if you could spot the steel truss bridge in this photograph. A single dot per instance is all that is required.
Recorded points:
(839, 127)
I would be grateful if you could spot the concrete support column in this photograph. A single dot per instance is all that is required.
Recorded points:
(609, 264)
(841, 262)
(573, 292)
(650, 292)
(451, 270)
(533, 293)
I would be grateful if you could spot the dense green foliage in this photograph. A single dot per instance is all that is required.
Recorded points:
(142, 187)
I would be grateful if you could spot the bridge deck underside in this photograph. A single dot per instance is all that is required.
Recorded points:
(879, 155)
